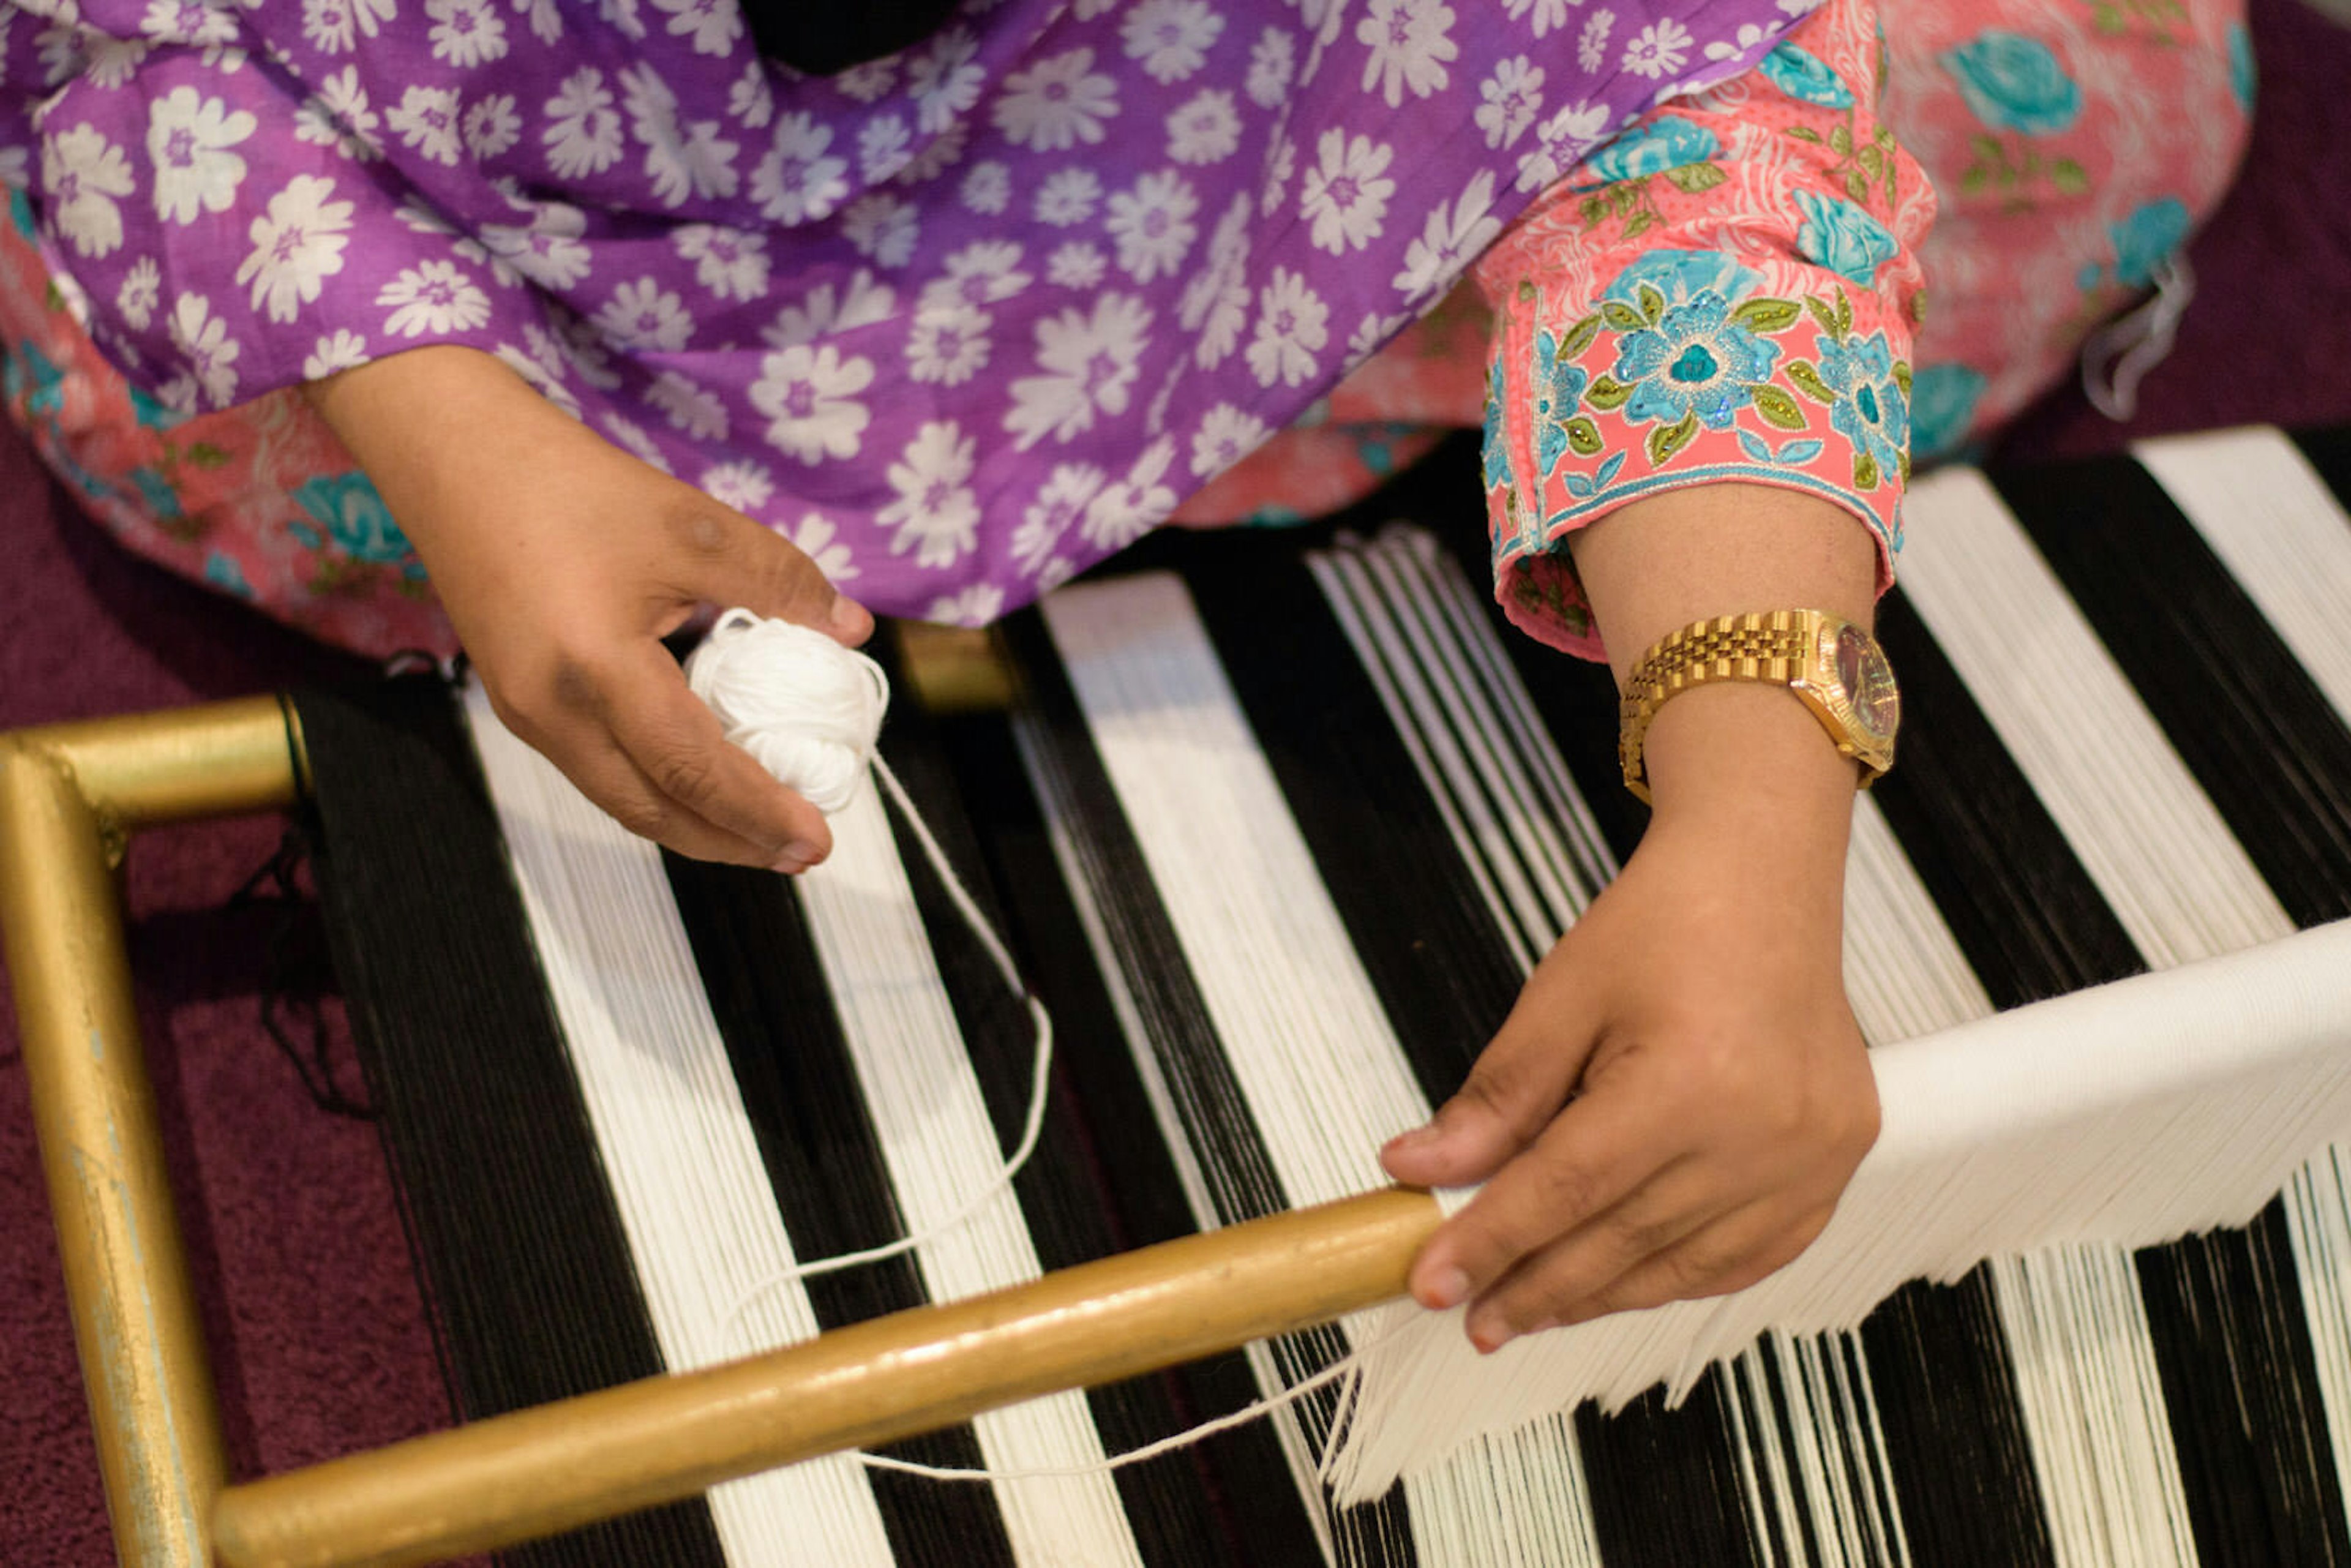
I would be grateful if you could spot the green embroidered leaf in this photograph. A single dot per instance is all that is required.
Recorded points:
(1623, 317)
(1653, 304)
(1803, 133)
(1777, 407)
(1767, 315)
(2107, 18)
(205, 455)
(2068, 177)
(1582, 436)
(1873, 160)
(1840, 138)
(1696, 177)
(1593, 209)
(1902, 378)
(1667, 439)
(1640, 224)
(1821, 312)
(1578, 337)
(1884, 138)
(1989, 148)
(1808, 382)
(1606, 393)
(1844, 313)
(1973, 182)
(1865, 472)
(1625, 194)
(1527, 292)
(1856, 184)
(1904, 465)
(1918, 307)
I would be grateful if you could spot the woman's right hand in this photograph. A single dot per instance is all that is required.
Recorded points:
(562, 561)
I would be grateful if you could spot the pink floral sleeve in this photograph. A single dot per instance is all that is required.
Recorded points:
(1726, 291)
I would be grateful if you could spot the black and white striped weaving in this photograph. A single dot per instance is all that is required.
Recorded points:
(1331, 739)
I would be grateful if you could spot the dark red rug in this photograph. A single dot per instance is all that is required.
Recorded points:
(318, 1335)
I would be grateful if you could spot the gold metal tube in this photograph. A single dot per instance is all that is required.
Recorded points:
(220, 760)
(535, 1472)
(135, 1323)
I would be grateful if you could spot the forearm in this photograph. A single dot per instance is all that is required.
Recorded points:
(1748, 763)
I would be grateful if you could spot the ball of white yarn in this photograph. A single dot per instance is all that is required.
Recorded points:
(809, 709)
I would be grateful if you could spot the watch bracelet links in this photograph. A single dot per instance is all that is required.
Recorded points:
(1771, 646)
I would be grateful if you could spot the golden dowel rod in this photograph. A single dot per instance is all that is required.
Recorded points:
(219, 760)
(513, 1477)
(134, 1316)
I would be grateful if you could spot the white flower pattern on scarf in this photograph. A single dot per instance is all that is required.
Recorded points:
(960, 321)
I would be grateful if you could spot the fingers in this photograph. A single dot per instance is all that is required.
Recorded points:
(677, 744)
(1518, 1085)
(1612, 1266)
(1592, 1155)
(629, 734)
(722, 558)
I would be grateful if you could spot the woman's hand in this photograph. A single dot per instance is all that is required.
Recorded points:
(1677, 1099)
(562, 563)
(1680, 1095)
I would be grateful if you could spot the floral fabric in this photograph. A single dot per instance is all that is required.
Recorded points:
(2070, 151)
(2071, 147)
(1037, 271)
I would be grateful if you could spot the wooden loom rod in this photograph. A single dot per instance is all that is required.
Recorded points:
(69, 794)
(513, 1477)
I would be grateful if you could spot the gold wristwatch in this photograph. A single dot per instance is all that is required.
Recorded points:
(1834, 666)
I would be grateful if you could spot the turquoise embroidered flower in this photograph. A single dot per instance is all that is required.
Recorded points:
(1870, 410)
(20, 213)
(2241, 74)
(1843, 237)
(157, 492)
(223, 572)
(1942, 408)
(348, 507)
(1804, 76)
(2146, 240)
(1559, 393)
(153, 414)
(1696, 359)
(1497, 450)
(33, 381)
(1680, 276)
(2014, 83)
(1664, 143)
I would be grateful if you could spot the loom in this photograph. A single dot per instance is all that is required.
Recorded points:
(2070, 1401)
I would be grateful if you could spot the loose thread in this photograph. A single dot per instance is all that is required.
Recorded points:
(1256, 1410)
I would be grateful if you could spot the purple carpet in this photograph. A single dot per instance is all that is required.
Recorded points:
(318, 1334)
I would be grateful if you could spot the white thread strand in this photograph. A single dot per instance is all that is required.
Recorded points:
(809, 711)
(1255, 1409)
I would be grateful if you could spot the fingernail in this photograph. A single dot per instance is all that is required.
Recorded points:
(1415, 1138)
(788, 865)
(795, 859)
(1489, 1336)
(1449, 1289)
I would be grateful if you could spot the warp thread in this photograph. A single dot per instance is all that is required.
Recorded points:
(809, 711)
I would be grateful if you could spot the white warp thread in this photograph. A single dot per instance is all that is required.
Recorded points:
(809, 711)
(2133, 1114)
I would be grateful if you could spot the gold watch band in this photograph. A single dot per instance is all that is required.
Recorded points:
(1771, 647)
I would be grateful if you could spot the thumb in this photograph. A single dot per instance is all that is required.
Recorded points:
(731, 560)
(1519, 1083)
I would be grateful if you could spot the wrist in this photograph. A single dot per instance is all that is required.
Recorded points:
(1750, 767)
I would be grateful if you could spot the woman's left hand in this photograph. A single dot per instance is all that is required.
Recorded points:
(1681, 1093)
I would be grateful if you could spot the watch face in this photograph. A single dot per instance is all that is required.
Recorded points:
(1868, 680)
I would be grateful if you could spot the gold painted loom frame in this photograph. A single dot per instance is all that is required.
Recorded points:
(70, 797)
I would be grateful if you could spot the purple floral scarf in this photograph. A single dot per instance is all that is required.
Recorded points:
(960, 322)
